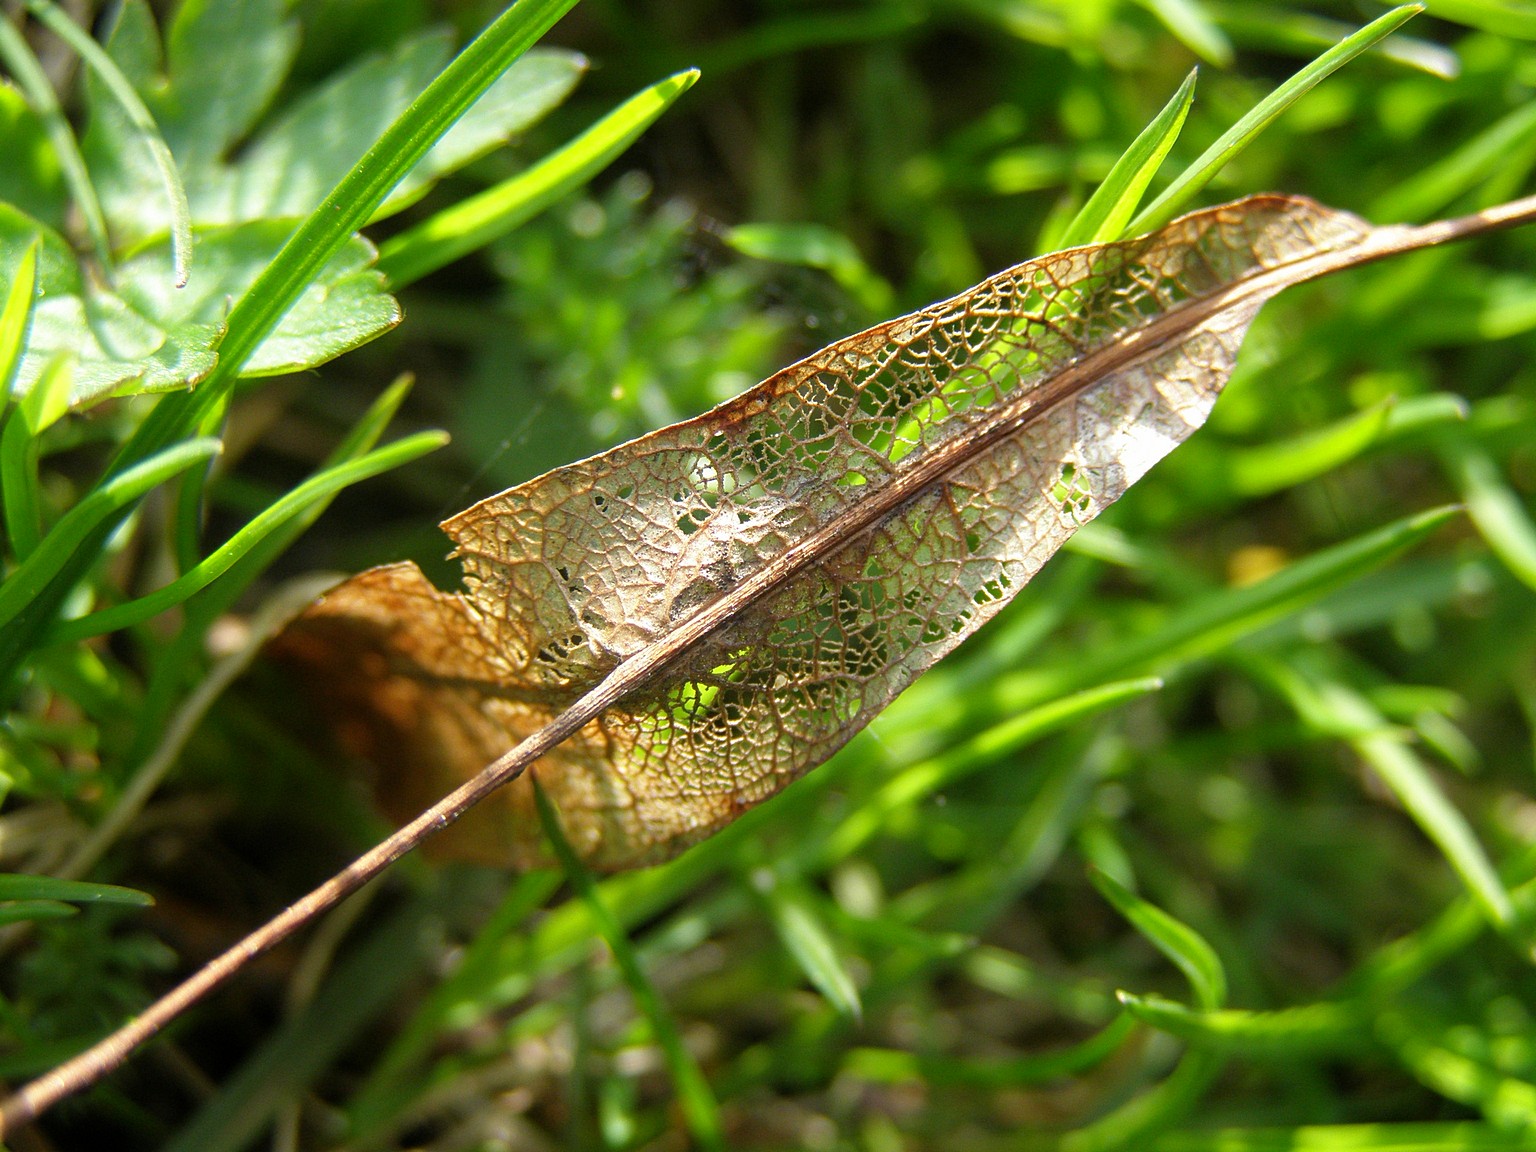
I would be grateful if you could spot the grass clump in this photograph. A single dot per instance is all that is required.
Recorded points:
(1219, 837)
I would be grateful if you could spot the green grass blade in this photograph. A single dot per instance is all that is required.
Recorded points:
(16, 320)
(1465, 170)
(1326, 702)
(1174, 939)
(481, 967)
(33, 81)
(1269, 468)
(694, 1095)
(1508, 1101)
(896, 1066)
(1327, 1027)
(817, 246)
(1281, 29)
(188, 493)
(1130, 1126)
(459, 230)
(806, 939)
(1189, 182)
(122, 90)
(934, 773)
(23, 911)
(280, 513)
(103, 504)
(1497, 512)
(1215, 622)
(1194, 26)
(1502, 17)
(20, 443)
(1452, 1136)
(366, 432)
(1113, 203)
(17, 886)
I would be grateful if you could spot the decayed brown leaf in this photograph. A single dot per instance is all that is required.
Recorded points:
(713, 609)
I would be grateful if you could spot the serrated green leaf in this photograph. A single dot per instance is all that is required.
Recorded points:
(149, 336)
(1174, 939)
(225, 60)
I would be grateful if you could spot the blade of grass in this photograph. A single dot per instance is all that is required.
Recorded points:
(20, 445)
(475, 222)
(1189, 182)
(807, 940)
(1132, 1124)
(281, 512)
(139, 117)
(17, 886)
(1496, 511)
(1506, 1100)
(1289, 1033)
(1174, 939)
(1452, 1136)
(1192, 24)
(1113, 203)
(694, 1095)
(895, 1066)
(287, 602)
(1268, 468)
(482, 965)
(104, 502)
(33, 81)
(26, 910)
(1304, 33)
(1462, 171)
(1214, 622)
(188, 494)
(934, 773)
(16, 320)
(1325, 700)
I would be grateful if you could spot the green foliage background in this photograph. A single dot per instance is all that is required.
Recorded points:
(1220, 837)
